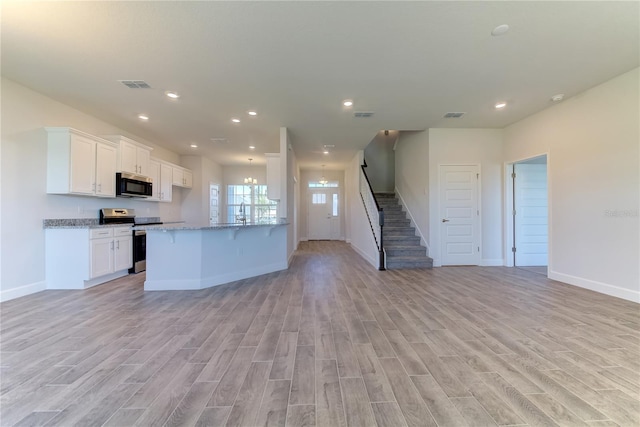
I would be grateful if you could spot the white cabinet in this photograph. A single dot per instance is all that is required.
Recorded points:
(81, 258)
(162, 175)
(133, 157)
(182, 177)
(80, 163)
(111, 250)
(273, 176)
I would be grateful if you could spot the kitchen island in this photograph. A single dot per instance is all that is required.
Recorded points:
(189, 256)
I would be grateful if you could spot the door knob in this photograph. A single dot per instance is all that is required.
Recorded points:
(445, 220)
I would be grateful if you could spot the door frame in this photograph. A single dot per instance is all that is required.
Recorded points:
(439, 211)
(509, 232)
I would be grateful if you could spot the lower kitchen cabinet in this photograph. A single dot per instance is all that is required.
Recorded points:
(81, 258)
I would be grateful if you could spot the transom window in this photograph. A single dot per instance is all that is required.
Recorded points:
(250, 202)
(330, 184)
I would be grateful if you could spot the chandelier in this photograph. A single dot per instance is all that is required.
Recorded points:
(249, 180)
(323, 180)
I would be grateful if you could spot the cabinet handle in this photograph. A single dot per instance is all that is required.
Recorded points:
(111, 245)
(118, 244)
(100, 188)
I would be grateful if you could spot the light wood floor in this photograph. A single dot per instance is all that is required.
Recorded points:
(330, 342)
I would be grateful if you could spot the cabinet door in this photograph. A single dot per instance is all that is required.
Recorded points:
(128, 157)
(188, 178)
(178, 177)
(154, 174)
(83, 164)
(106, 158)
(142, 160)
(123, 258)
(101, 256)
(166, 178)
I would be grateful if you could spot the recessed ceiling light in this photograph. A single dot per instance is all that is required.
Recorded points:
(347, 103)
(235, 120)
(143, 117)
(252, 113)
(557, 98)
(193, 146)
(252, 147)
(500, 105)
(500, 30)
(172, 95)
(325, 152)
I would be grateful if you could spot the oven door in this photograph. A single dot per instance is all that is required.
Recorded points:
(139, 251)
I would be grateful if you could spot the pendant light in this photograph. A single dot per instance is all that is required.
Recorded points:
(323, 181)
(249, 180)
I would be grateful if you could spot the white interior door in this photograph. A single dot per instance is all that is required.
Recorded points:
(214, 204)
(459, 215)
(324, 214)
(531, 215)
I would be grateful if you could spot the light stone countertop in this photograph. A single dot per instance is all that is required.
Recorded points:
(190, 226)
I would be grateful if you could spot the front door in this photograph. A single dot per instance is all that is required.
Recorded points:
(459, 214)
(214, 204)
(530, 214)
(324, 219)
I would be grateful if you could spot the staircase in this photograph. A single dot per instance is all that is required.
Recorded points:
(401, 245)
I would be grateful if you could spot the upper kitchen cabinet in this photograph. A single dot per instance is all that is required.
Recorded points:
(182, 177)
(162, 174)
(80, 163)
(273, 176)
(133, 157)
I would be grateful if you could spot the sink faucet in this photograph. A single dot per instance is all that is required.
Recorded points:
(242, 217)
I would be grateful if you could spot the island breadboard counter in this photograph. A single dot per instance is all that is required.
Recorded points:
(186, 257)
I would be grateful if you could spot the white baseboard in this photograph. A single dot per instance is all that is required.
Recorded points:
(492, 262)
(21, 291)
(364, 255)
(603, 288)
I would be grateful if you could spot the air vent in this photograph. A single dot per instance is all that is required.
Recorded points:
(453, 115)
(363, 114)
(329, 146)
(220, 140)
(135, 84)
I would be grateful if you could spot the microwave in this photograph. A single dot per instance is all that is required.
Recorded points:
(132, 185)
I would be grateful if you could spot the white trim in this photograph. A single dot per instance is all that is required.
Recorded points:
(364, 255)
(603, 288)
(22, 291)
(208, 282)
(413, 222)
(497, 262)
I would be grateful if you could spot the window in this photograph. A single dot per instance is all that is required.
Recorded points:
(319, 199)
(257, 208)
(330, 184)
(335, 204)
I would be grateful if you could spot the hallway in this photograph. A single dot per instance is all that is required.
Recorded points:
(329, 342)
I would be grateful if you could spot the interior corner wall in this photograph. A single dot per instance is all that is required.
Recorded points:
(359, 233)
(287, 195)
(470, 146)
(412, 178)
(25, 202)
(380, 159)
(592, 141)
(195, 200)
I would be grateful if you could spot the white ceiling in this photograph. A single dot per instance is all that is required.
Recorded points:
(295, 62)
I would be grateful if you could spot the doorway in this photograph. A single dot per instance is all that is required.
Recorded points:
(323, 214)
(459, 214)
(530, 214)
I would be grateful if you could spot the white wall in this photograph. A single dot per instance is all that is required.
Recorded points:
(412, 179)
(470, 146)
(308, 175)
(195, 200)
(592, 143)
(380, 159)
(23, 196)
(359, 232)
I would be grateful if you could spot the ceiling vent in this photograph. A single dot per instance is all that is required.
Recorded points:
(220, 140)
(363, 114)
(135, 84)
(453, 115)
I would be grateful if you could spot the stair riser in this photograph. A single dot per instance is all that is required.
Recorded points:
(400, 232)
(395, 266)
(418, 251)
(401, 240)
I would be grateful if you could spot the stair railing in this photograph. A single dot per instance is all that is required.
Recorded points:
(375, 214)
